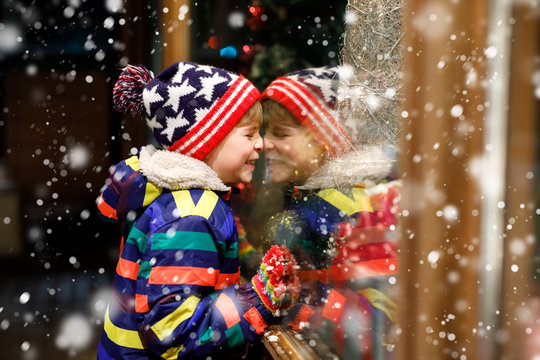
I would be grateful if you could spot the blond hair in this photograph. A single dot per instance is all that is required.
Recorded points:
(274, 112)
(252, 116)
(277, 114)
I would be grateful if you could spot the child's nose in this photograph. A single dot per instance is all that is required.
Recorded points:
(268, 144)
(258, 146)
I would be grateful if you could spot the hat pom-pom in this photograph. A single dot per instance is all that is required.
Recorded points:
(128, 90)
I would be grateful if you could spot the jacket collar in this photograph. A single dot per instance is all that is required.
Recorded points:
(367, 166)
(175, 171)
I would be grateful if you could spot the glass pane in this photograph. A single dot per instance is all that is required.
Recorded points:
(326, 187)
(331, 143)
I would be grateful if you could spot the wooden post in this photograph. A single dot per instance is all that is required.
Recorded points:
(443, 113)
(446, 86)
(519, 298)
(175, 31)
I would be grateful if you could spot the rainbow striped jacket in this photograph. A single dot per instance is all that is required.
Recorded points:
(346, 246)
(176, 291)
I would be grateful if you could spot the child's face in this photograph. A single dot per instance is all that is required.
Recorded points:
(233, 159)
(292, 152)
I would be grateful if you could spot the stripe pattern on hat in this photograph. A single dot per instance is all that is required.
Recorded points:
(219, 120)
(310, 95)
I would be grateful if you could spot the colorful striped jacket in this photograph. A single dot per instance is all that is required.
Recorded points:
(346, 241)
(319, 225)
(341, 226)
(176, 291)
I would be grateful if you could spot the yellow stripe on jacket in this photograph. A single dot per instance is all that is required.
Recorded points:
(122, 337)
(204, 207)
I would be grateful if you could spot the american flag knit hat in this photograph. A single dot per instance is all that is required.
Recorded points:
(310, 95)
(189, 107)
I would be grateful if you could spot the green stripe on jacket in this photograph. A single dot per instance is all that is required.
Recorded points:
(183, 240)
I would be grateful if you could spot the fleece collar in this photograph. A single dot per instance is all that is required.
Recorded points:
(175, 171)
(368, 166)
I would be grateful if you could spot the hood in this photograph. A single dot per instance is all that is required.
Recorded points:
(135, 183)
(369, 166)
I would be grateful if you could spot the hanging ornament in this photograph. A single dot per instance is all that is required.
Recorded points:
(257, 18)
(213, 42)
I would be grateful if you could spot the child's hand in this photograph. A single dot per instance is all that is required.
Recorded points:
(276, 282)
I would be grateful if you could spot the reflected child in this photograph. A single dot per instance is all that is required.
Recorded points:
(291, 150)
(340, 214)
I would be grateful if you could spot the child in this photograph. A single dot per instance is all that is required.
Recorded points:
(292, 151)
(176, 290)
(340, 211)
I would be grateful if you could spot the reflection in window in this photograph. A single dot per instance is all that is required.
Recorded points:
(330, 139)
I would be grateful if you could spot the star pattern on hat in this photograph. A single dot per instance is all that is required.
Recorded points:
(202, 111)
(325, 72)
(181, 70)
(208, 85)
(176, 92)
(205, 68)
(184, 83)
(153, 123)
(173, 123)
(151, 96)
(321, 80)
(326, 86)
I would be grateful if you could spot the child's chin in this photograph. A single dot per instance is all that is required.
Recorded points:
(245, 178)
(278, 177)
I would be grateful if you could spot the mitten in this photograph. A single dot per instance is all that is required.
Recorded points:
(276, 282)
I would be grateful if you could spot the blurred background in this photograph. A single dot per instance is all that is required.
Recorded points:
(59, 135)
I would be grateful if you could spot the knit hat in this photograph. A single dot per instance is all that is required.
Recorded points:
(189, 107)
(310, 95)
